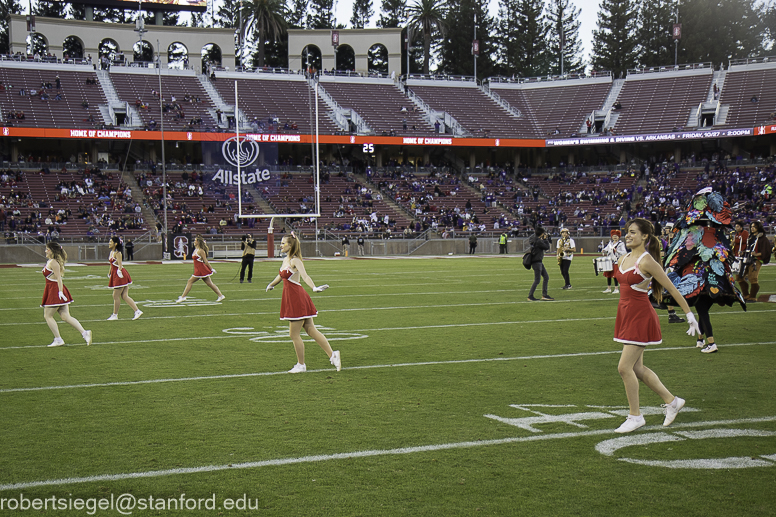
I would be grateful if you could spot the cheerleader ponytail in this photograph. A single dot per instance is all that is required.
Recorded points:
(59, 254)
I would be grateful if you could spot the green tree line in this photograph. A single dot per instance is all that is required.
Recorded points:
(525, 38)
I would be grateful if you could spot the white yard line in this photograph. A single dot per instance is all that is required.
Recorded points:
(359, 454)
(363, 367)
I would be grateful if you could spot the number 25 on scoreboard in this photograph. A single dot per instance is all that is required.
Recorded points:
(369, 148)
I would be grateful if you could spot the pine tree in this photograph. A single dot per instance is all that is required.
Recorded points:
(50, 9)
(322, 14)
(456, 47)
(297, 13)
(563, 38)
(393, 14)
(362, 13)
(655, 32)
(532, 28)
(227, 15)
(704, 38)
(614, 43)
(7, 7)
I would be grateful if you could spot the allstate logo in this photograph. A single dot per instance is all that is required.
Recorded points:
(246, 151)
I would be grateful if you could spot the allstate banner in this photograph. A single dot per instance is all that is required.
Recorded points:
(255, 159)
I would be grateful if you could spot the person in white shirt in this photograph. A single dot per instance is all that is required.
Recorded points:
(566, 248)
(614, 250)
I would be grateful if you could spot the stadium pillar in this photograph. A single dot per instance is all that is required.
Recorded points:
(472, 160)
(89, 14)
(515, 158)
(15, 152)
(570, 160)
(677, 154)
(93, 152)
(623, 156)
(735, 150)
(773, 148)
(379, 158)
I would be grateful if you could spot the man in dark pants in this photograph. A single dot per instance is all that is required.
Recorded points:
(472, 244)
(540, 242)
(248, 247)
(129, 250)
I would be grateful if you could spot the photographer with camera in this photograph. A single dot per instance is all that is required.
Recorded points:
(248, 247)
(758, 253)
(540, 242)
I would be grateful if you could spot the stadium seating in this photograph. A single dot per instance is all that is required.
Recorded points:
(472, 108)
(742, 84)
(557, 105)
(661, 101)
(285, 99)
(69, 112)
(132, 87)
(380, 104)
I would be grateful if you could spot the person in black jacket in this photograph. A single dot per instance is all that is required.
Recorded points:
(248, 247)
(540, 242)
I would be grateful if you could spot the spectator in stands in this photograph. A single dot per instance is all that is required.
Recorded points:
(58, 81)
(617, 105)
(589, 126)
(85, 104)
(754, 99)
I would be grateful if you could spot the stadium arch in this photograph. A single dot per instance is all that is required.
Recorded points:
(92, 33)
(377, 59)
(73, 46)
(360, 40)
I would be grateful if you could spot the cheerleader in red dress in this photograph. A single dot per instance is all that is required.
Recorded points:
(56, 297)
(296, 306)
(119, 279)
(637, 324)
(202, 270)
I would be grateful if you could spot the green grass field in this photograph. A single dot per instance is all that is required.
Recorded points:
(444, 363)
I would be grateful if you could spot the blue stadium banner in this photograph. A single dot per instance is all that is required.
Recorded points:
(256, 160)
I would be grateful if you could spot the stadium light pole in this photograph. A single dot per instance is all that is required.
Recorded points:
(165, 248)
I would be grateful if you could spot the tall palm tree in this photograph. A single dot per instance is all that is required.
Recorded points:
(427, 16)
(265, 18)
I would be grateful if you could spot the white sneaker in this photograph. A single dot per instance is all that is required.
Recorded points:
(616, 290)
(58, 341)
(113, 317)
(700, 343)
(220, 298)
(631, 424)
(180, 299)
(335, 360)
(87, 337)
(138, 313)
(710, 348)
(672, 410)
(298, 368)
(608, 290)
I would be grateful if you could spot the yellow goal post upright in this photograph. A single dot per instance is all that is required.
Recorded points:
(242, 157)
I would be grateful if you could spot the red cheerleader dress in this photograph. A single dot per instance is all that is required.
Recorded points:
(115, 282)
(201, 270)
(51, 292)
(296, 303)
(637, 322)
